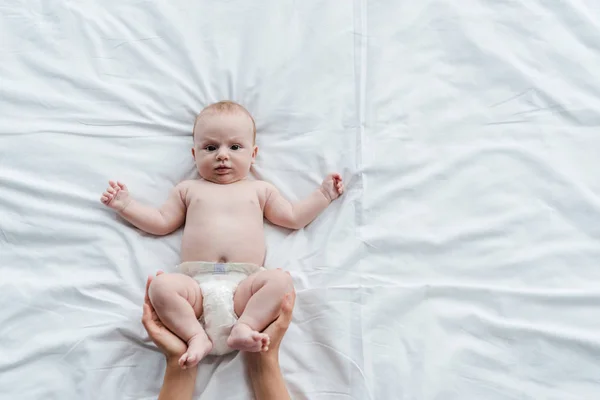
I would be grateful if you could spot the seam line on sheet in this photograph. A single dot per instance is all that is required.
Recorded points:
(360, 59)
(360, 63)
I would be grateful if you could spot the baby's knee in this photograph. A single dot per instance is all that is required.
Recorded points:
(281, 280)
(161, 289)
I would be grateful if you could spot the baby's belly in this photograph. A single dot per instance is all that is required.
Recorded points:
(224, 241)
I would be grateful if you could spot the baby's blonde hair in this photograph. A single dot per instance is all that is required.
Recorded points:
(224, 107)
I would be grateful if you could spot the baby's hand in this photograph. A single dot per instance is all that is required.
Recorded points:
(332, 186)
(116, 196)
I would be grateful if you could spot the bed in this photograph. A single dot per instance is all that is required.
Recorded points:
(461, 263)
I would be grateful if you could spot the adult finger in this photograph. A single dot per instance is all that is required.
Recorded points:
(278, 327)
(287, 306)
(147, 317)
(148, 282)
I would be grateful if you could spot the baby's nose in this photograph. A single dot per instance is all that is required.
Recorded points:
(221, 155)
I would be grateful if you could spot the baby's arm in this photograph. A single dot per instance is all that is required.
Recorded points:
(156, 221)
(281, 212)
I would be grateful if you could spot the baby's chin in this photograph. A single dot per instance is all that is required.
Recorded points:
(223, 179)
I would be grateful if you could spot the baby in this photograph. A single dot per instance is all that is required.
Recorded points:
(223, 246)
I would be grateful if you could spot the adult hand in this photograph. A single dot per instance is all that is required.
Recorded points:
(170, 344)
(277, 329)
(263, 367)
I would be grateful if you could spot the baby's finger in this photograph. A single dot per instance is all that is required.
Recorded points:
(111, 190)
(121, 185)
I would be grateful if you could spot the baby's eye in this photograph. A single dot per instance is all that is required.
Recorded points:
(236, 147)
(210, 148)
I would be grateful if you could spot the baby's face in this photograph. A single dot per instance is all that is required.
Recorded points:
(224, 147)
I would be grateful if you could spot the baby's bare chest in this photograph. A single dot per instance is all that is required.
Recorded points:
(223, 201)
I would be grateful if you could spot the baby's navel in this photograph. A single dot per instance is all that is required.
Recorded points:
(222, 260)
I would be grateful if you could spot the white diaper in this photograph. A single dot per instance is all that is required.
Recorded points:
(218, 282)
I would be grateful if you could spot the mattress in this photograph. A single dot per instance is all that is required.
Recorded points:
(461, 263)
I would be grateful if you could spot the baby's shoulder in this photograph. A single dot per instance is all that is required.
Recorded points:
(185, 185)
(262, 186)
(188, 187)
(264, 190)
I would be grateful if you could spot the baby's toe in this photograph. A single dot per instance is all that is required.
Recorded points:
(266, 341)
(191, 360)
(182, 360)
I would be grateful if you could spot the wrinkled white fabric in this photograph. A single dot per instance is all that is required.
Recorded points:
(218, 283)
(461, 263)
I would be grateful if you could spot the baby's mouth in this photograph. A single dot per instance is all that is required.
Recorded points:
(222, 168)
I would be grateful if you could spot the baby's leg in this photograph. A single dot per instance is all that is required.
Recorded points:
(177, 300)
(257, 301)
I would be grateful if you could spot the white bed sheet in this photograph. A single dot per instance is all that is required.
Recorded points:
(462, 263)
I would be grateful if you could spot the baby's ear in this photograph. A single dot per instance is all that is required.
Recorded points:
(194, 153)
(254, 153)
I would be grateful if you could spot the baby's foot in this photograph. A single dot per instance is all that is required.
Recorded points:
(198, 347)
(244, 338)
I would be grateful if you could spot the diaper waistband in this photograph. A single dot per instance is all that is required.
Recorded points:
(201, 267)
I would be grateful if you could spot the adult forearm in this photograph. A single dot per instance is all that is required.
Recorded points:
(305, 211)
(267, 379)
(146, 218)
(178, 384)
